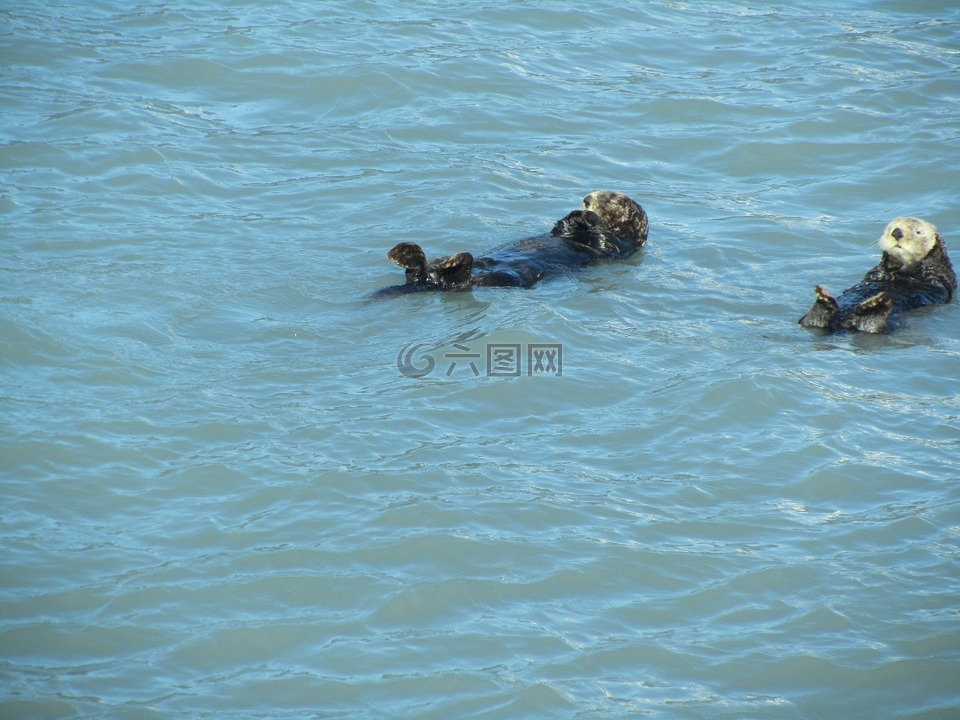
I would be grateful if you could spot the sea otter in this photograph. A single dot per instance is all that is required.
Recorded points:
(914, 271)
(609, 225)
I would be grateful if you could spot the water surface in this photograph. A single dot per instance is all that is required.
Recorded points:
(222, 498)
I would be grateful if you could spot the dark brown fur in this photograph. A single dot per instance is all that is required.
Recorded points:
(877, 302)
(610, 225)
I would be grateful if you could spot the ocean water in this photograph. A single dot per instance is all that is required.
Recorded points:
(234, 489)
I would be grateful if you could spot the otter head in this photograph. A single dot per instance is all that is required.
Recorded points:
(623, 215)
(909, 240)
(410, 256)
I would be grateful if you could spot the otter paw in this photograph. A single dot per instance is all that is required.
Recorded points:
(823, 295)
(452, 272)
(872, 315)
(824, 312)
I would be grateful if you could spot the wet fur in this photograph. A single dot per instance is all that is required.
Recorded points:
(914, 271)
(609, 225)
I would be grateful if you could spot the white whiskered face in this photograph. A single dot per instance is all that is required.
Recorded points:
(908, 239)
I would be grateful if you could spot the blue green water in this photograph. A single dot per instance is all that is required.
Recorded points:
(222, 498)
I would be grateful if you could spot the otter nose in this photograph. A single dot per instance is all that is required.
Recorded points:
(897, 233)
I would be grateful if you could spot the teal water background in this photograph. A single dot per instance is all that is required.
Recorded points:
(221, 497)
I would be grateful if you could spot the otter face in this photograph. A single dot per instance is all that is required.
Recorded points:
(908, 240)
(622, 214)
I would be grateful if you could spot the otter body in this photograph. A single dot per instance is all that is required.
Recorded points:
(914, 271)
(609, 225)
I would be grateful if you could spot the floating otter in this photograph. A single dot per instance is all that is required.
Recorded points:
(609, 225)
(914, 271)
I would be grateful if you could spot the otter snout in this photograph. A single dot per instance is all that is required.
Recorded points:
(897, 234)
